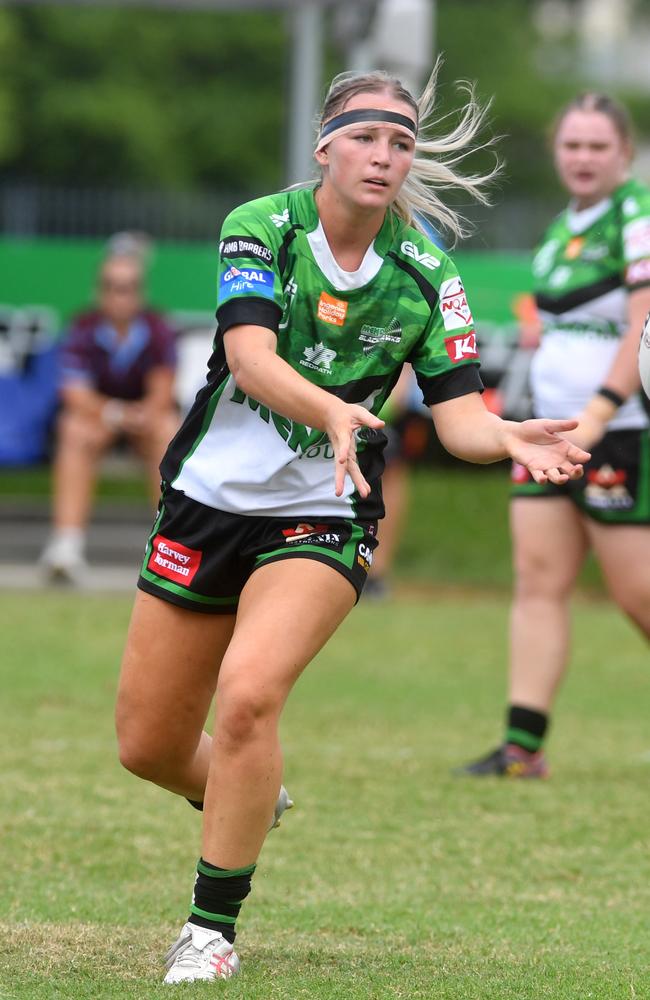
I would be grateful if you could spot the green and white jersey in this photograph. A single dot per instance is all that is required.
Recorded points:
(347, 332)
(583, 271)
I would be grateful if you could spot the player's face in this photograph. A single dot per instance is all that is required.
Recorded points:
(591, 157)
(366, 167)
(120, 293)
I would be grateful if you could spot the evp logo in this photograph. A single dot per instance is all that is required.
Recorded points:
(174, 561)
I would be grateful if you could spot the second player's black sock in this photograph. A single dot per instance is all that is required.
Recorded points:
(525, 727)
(218, 895)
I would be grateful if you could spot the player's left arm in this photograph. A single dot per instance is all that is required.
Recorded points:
(469, 431)
(622, 379)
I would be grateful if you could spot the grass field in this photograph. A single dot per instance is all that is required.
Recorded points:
(390, 878)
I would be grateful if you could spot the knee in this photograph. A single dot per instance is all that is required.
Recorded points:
(537, 578)
(81, 435)
(243, 715)
(139, 753)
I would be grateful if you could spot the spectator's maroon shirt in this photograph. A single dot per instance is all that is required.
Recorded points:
(93, 353)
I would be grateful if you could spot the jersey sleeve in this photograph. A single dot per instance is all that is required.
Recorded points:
(446, 358)
(636, 239)
(75, 361)
(249, 283)
(163, 342)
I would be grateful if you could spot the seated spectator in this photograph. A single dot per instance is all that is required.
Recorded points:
(117, 382)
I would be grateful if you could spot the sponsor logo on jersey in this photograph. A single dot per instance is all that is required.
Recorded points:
(453, 304)
(319, 358)
(332, 310)
(574, 247)
(638, 273)
(636, 238)
(238, 280)
(245, 246)
(606, 489)
(461, 347)
(280, 219)
(364, 556)
(174, 561)
(371, 335)
(314, 534)
(595, 252)
(423, 257)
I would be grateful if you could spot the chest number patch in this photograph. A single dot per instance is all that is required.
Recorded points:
(332, 310)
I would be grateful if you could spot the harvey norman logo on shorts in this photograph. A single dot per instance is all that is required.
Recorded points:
(174, 561)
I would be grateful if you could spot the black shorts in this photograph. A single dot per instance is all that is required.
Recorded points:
(615, 488)
(200, 558)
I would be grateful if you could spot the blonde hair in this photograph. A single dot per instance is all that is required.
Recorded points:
(436, 156)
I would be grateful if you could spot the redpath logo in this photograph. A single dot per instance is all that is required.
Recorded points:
(453, 305)
(462, 346)
(174, 561)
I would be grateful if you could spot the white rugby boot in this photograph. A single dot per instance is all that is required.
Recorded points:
(63, 557)
(200, 953)
(283, 803)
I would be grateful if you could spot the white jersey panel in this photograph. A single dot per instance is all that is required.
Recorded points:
(243, 465)
(567, 370)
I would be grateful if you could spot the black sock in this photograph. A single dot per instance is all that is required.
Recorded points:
(218, 895)
(525, 727)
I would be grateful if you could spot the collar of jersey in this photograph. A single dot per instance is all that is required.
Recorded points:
(578, 222)
(380, 246)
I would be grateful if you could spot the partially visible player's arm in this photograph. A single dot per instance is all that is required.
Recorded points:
(266, 377)
(469, 431)
(623, 376)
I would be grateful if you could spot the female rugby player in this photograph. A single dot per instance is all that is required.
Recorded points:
(271, 488)
(592, 283)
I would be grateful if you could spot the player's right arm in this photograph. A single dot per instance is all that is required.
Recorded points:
(262, 374)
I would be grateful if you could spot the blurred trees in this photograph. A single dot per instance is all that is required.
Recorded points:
(115, 96)
(124, 97)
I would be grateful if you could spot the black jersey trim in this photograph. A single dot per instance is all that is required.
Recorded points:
(450, 385)
(428, 291)
(283, 252)
(562, 303)
(252, 311)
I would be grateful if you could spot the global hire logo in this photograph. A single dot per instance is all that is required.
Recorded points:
(319, 358)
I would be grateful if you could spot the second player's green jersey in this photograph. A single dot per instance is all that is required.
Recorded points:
(348, 332)
(583, 271)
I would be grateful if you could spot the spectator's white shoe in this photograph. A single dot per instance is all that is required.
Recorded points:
(63, 558)
(200, 953)
(283, 803)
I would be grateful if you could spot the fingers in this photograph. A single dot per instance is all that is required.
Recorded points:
(557, 426)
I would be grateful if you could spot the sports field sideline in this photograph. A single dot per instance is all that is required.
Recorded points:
(390, 878)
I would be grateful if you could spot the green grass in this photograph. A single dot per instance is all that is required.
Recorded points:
(390, 878)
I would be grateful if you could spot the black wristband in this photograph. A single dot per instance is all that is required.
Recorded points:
(610, 394)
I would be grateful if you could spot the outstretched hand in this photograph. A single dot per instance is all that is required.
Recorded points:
(549, 457)
(342, 423)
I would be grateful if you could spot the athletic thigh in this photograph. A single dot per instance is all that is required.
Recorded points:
(287, 612)
(623, 552)
(549, 542)
(169, 673)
